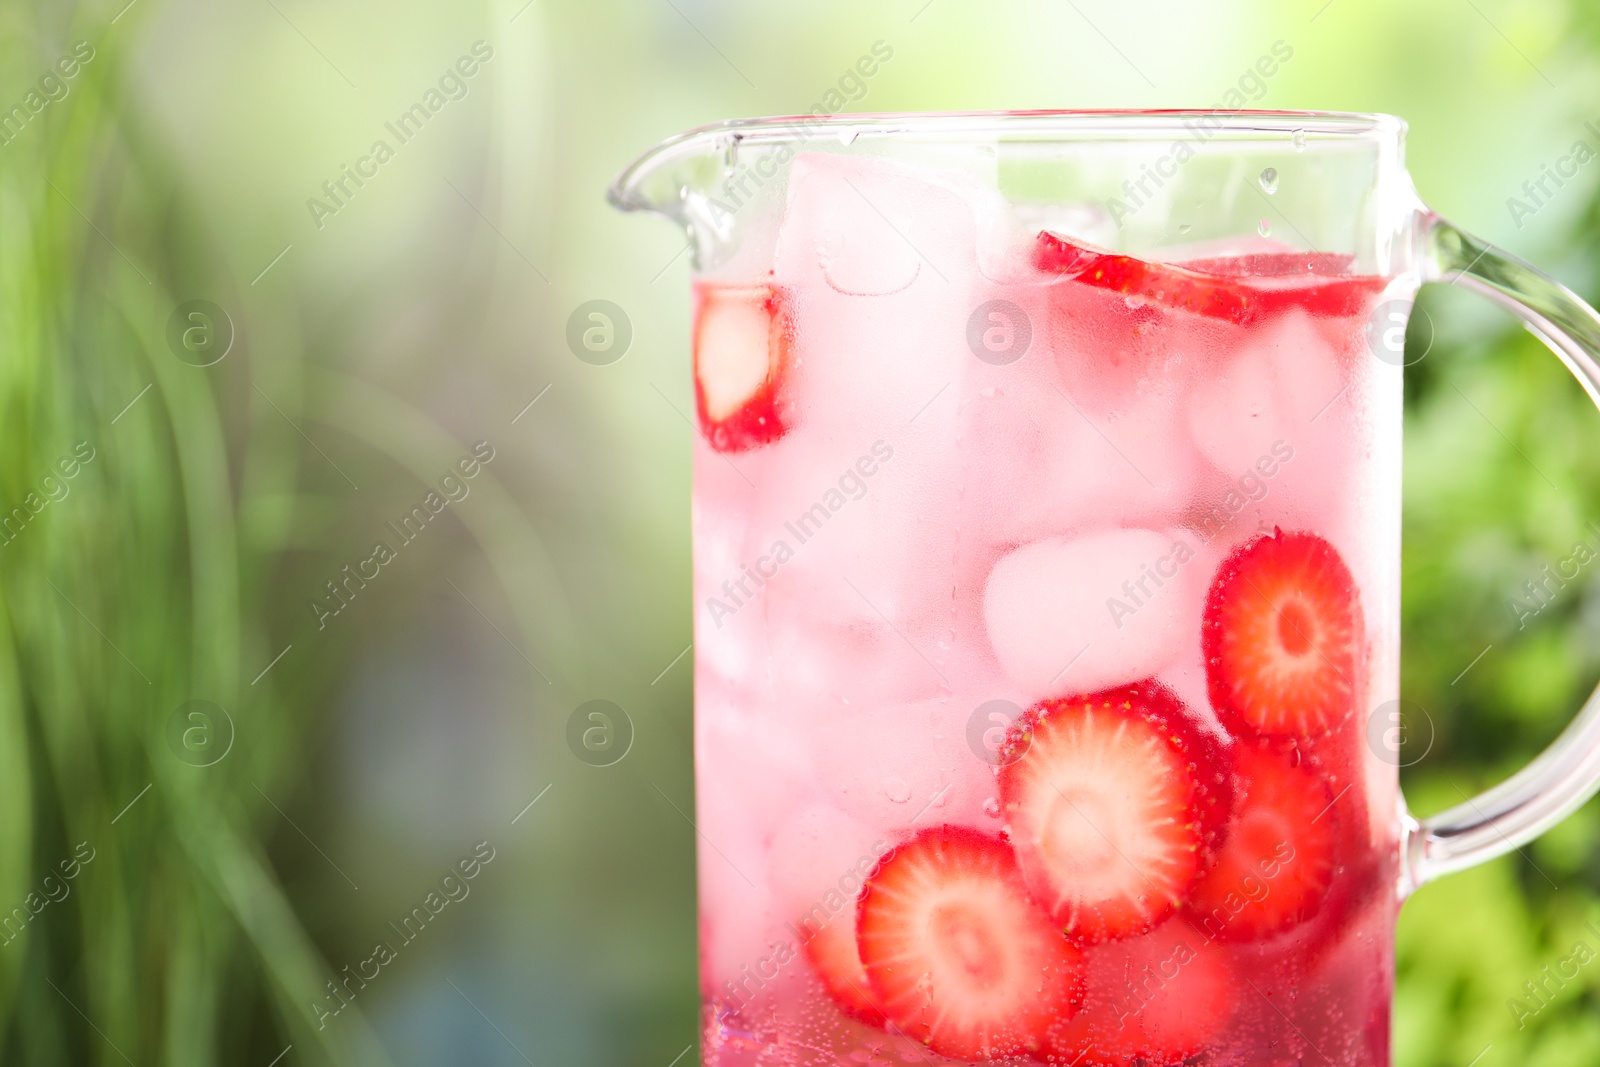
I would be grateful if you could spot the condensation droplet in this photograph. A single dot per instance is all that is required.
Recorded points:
(1264, 228)
(897, 790)
(1184, 227)
(991, 807)
(1299, 139)
(1269, 180)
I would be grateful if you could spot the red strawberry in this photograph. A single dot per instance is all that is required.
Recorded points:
(1282, 635)
(741, 352)
(1231, 297)
(1274, 264)
(1279, 858)
(959, 958)
(1155, 1000)
(832, 952)
(1113, 807)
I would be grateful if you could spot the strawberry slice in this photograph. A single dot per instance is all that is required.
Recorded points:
(1279, 858)
(741, 352)
(959, 958)
(833, 954)
(1154, 1000)
(1200, 288)
(1274, 264)
(1281, 632)
(1174, 287)
(1113, 808)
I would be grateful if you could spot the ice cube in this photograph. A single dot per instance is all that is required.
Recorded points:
(742, 739)
(869, 227)
(848, 555)
(858, 499)
(1279, 422)
(865, 365)
(820, 858)
(1049, 466)
(751, 767)
(1280, 387)
(833, 225)
(903, 767)
(841, 580)
(816, 664)
(1070, 615)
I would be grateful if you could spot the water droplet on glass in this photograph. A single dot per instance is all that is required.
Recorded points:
(1264, 228)
(897, 790)
(1269, 180)
(1184, 227)
(991, 807)
(1299, 139)
(1134, 301)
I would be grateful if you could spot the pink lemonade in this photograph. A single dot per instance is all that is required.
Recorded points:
(1043, 595)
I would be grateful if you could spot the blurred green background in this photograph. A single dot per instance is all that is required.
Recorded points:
(352, 760)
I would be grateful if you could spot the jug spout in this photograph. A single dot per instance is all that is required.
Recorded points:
(718, 183)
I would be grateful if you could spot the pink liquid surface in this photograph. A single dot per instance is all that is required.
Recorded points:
(891, 533)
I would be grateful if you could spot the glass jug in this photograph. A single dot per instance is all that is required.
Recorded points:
(1046, 573)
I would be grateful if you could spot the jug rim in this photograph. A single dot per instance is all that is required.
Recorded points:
(1065, 125)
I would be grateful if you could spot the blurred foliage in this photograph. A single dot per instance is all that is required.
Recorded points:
(131, 584)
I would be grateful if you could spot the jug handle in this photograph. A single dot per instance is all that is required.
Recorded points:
(1567, 774)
